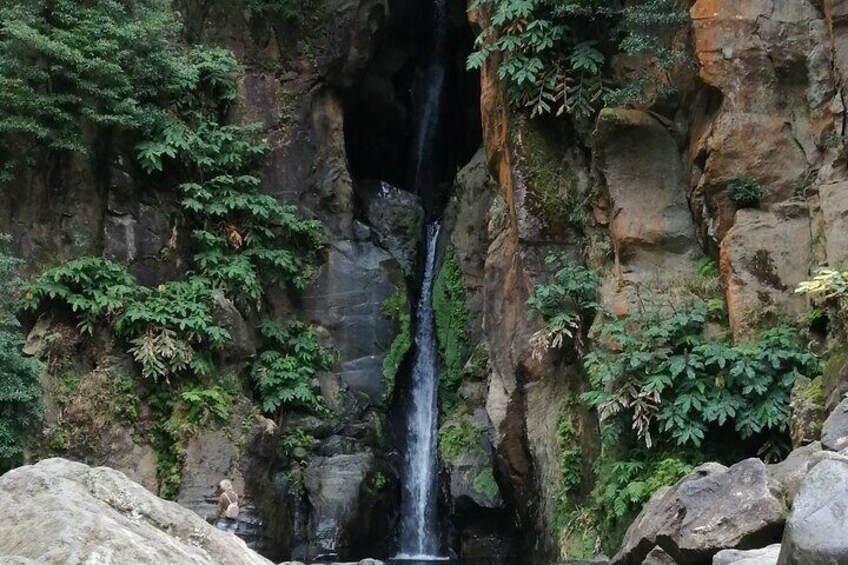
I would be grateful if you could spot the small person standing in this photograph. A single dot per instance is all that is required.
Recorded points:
(226, 516)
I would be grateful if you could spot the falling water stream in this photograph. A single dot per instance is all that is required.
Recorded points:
(419, 530)
(419, 538)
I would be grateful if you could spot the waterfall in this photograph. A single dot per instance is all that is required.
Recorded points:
(434, 85)
(419, 537)
(419, 529)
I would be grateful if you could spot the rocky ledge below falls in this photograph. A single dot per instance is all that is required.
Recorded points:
(71, 514)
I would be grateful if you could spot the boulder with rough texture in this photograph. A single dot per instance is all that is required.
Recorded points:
(714, 508)
(398, 221)
(817, 529)
(806, 415)
(241, 344)
(659, 556)
(835, 429)
(791, 471)
(763, 257)
(61, 512)
(765, 556)
(333, 485)
(650, 224)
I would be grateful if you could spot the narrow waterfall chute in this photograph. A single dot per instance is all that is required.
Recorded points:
(420, 537)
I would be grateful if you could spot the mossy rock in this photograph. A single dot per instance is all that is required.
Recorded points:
(834, 383)
(807, 411)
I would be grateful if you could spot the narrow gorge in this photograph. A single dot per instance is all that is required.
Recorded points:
(474, 282)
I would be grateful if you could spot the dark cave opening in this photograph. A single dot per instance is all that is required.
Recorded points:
(381, 110)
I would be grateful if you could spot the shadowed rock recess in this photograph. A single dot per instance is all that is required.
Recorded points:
(628, 371)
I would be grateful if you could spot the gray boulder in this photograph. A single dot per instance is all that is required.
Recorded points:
(791, 471)
(62, 512)
(714, 508)
(333, 485)
(817, 529)
(398, 219)
(835, 429)
(765, 556)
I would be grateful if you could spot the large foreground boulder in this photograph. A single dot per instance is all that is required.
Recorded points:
(62, 512)
(714, 508)
(817, 529)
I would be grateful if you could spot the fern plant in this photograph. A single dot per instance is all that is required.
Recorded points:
(170, 328)
(554, 55)
(676, 386)
(284, 372)
(562, 305)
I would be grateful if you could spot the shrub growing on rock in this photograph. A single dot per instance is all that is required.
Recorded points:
(554, 55)
(745, 191)
(20, 391)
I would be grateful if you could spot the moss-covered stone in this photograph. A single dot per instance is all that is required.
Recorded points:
(396, 307)
(451, 317)
(807, 411)
(835, 377)
(484, 483)
(552, 193)
(457, 437)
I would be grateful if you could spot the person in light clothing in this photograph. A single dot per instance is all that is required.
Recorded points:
(226, 515)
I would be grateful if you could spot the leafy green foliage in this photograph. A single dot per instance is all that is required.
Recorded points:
(671, 382)
(396, 308)
(20, 389)
(171, 328)
(451, 317)
(65, 65)
(295, 439)
(70, 71)
(284, 372)
(745, 191)
(485, 484)
(562, 304)
(830, 285)
(239, 233)
(625, 483)
(178, 415)
(286, 10)
(457, 438)
(554, 55)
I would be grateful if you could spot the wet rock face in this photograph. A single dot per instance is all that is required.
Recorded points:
(345, 299)
(768, 60)
(68, 512)
(817, 529)
(332, 486)
(806, 412)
